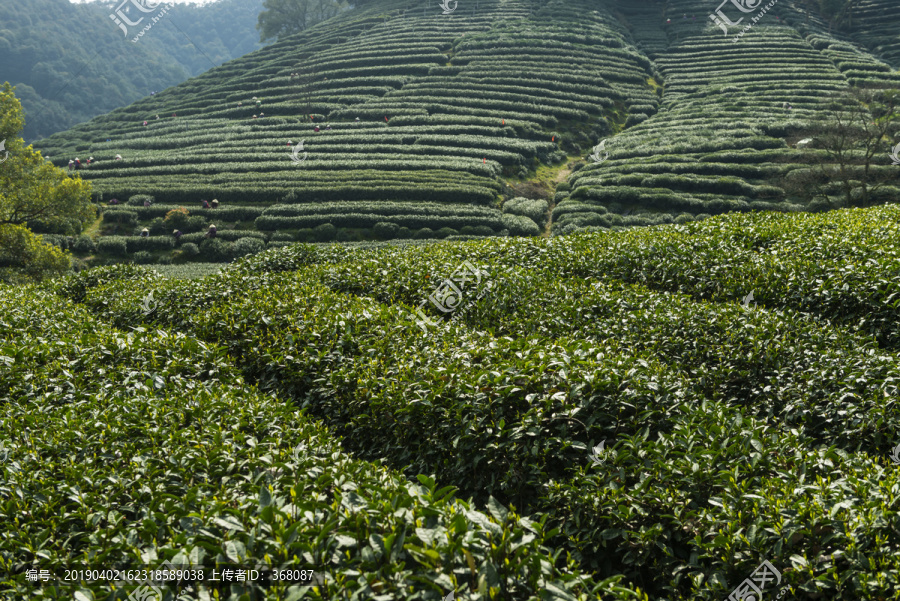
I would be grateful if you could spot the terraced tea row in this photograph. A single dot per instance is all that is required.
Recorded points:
(398, 69)
(704, 152)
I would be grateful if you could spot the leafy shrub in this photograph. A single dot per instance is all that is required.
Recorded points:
(534, 209)
(177, 219)
(216, 250)
(84, 245)
(190, 249)
(195, 223)
(247, 246)
(75, 287)
(115, 246)
(158, 227)
(142, 257)
(306, 235)
(385, 230)
(138, 243)
(424, 233)
(345, 235)
(138, 200)
(120, 216)
(325, 232)
(476, 230)
(194, 388)
(519, 225)
(445, 232)
(57, 240)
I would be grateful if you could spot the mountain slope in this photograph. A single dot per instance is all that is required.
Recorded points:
(458, 109)
(70, 62)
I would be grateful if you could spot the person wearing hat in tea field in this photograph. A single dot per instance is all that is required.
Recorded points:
(145, 233)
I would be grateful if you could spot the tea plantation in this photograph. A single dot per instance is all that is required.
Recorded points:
(640, 414)
(397, 120)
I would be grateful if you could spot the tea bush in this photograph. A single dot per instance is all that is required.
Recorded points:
(153, 419)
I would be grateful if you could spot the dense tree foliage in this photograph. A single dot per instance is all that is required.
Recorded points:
(286, 17)
(33, 191)
(70, 62)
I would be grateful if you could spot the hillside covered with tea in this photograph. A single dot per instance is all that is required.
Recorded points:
(396, 120)
(595, 419)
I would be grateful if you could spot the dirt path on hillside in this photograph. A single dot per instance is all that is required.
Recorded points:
(563, 174)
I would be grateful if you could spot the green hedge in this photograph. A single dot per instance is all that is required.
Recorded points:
(237, 474)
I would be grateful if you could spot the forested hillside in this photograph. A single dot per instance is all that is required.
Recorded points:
(70, 62)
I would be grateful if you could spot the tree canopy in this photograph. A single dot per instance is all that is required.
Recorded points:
(33, 191)
(281, 18)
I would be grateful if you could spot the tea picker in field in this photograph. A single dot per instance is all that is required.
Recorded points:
(145, 233)
(211, 233)
(118, 157)
(71, 164)
(204, 204)
(177, 234)
(215, 203)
